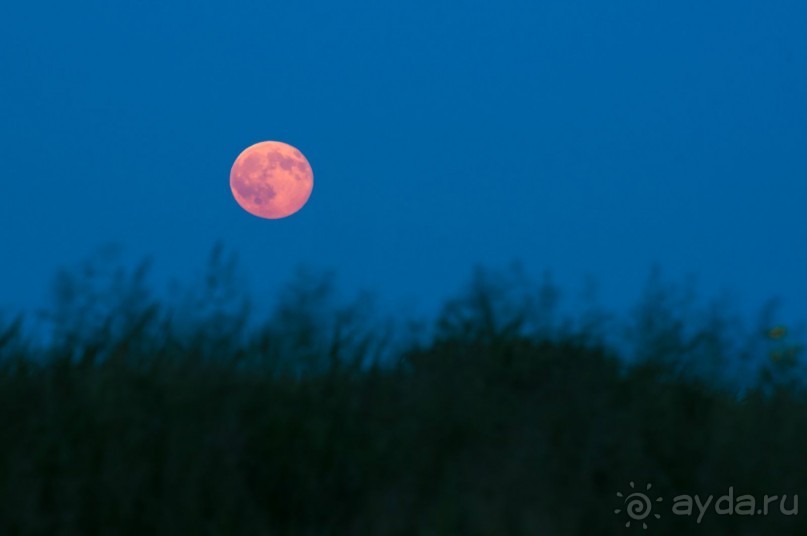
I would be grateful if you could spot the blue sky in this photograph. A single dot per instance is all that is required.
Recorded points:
(585, 138)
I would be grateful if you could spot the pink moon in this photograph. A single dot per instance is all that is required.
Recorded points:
(271, 180)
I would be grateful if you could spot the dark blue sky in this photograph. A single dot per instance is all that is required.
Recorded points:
(587, 138)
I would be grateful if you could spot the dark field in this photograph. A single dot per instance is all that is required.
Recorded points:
(177, 416)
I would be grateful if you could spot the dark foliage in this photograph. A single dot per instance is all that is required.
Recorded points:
(138, 415)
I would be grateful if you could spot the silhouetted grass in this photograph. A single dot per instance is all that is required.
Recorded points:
(142, 417)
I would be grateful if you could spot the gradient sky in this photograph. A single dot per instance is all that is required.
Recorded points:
(586, 138)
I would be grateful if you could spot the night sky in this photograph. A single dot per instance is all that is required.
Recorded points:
(590, 139)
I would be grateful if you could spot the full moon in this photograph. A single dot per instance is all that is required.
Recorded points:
(271, 180)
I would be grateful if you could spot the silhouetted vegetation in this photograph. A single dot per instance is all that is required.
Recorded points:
(182, 414)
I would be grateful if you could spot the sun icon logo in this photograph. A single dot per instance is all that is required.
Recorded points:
(637, 505)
